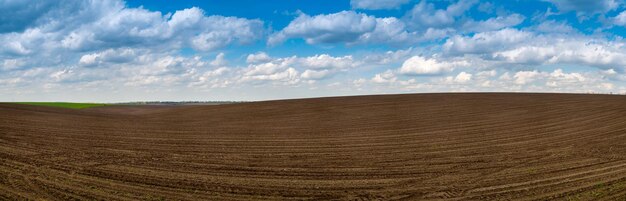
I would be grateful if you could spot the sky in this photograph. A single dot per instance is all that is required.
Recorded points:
(246, 50)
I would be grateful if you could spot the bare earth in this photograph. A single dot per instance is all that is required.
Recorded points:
(413, 147)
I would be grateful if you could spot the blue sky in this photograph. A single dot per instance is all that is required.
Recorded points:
(136, 50)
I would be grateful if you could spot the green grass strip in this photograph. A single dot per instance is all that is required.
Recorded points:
(64, 104)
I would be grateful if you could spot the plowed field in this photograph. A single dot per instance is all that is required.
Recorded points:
(412, 147)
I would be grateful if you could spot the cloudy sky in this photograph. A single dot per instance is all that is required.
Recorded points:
(136, 50)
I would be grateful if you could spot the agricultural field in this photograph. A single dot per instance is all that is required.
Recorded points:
(474, 146)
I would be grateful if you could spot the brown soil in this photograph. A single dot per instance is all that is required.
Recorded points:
(413, 147)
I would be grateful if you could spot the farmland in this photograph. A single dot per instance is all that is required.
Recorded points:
(475, 146)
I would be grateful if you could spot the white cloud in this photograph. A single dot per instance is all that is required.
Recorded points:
(558, 78)
(620, 19)
(520, 47)
(316, 74)
(486, 74)
(424, 15)
(344, 26)
(258, 58)
(161, 71)
(283, 76)
(219, 60)
(422, 23)
(463, 77)
(278, 71)
(377, 4)
(216, 78)
(386, 77)
(485, 42)
(19, 16)
(221, 31)
(611, 74)
(389, 56)
(390, 30)
(11, 81)
(130, 46)
(97, 25)
(418, 65)
(491, 24)
(359, 82)
(108, 56)
(566, 51)
(325, 61)
(16, 16)
(585, 7)
(10, 64)
(607, 86)
(14, 48)
(347, 27)
(526, 80)
(525, 77)
(105, 45)
(270, 67)
(317, 67)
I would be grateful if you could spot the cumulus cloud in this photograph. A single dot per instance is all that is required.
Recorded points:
(485, 42)
(258, 58)
(215, 78)
(325, 61)
(385, 77)
(591, 53)
(422, 23)
(556, 78)
(315, 74)
(392, 31)
(274, 72)
(388, 56)
(524, 77)
(424, 15)
(377, 4)
(222, 31)
(492, 24)
(16, 16)
(79, 26)
(418, 65)
(584, 53)
(161, 71)
(346, 27)
(463, 77)
(585, 7)
(50, 44)
(219, 60)
(188, 27)
(523, 47)
(286, 71)
(10, 64)
(620, 19)
(108, 56)
(70, 44)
